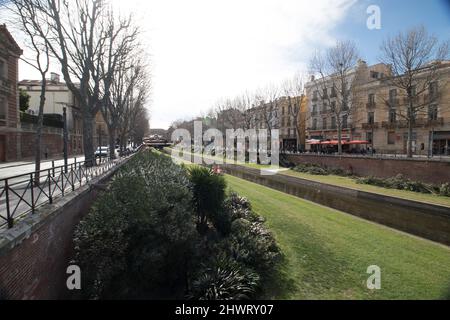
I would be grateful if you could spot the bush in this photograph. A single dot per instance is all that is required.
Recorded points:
(311, 169)
(224, 279)
(209, 194)
(139, 236)
(252, 244)
(399, 182)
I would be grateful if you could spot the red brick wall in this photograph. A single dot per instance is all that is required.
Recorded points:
(421, 170)
(13, 101)
(53, 142)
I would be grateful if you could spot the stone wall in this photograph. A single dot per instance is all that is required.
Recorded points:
(428, 171)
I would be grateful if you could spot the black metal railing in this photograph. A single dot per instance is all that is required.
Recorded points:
(21, 195)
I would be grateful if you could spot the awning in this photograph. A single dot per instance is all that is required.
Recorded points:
(356, 142)
(313, 142)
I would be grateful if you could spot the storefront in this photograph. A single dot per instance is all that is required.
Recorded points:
(441, 143)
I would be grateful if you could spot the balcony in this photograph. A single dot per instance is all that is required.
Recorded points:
(324, 112)
(435, 123)
(315, 99)
(393, 103)
(371, 105)
(370, 126)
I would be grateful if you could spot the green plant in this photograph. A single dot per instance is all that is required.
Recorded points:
(209, 194)
(224, 279)
(139, 236)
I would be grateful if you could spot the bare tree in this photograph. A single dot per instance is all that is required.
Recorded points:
(74, 33)
(294, 91)
(414, 58)
(119, 50)
(269, 106)
(23, 10)
(336, 70)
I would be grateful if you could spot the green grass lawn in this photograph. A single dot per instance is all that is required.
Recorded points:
(328, 252)
(351, 184)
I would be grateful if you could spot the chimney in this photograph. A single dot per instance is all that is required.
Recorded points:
(54, 77)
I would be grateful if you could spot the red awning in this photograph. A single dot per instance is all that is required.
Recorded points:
(334, 142)
(355, 142)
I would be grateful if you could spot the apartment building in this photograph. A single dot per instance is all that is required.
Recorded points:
(329, 103)
(10, 131)
(383, 114)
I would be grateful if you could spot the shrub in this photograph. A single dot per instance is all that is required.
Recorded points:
(138, 237)
(311, 169)
(224, 279)
(209, 194)
(399, 182)
(252, 244)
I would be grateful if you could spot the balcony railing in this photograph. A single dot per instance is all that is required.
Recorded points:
(5, 86)
(371, 105)
(370, 126)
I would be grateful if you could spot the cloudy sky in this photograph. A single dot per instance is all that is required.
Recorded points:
(204, 50)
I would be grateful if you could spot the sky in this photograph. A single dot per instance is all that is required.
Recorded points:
(201, 51)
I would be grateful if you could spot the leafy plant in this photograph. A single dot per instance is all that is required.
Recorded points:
(224, 279)
(209, 194)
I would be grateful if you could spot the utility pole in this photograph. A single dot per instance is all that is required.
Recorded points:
(66, 163)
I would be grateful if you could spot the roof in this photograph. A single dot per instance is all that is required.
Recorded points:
(4, 34)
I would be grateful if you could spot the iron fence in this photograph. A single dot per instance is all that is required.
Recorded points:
(21, 195)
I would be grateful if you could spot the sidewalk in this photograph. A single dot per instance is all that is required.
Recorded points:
(6, 165)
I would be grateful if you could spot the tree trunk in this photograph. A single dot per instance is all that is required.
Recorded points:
(88, 137)
(40, 124)
(410, 136)
(340, 140)
(112, 143)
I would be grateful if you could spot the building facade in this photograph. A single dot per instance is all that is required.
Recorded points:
(384, 119)
(10, 131)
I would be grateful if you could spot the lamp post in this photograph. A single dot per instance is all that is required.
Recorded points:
(66, 162)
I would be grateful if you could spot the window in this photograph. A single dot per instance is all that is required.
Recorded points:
(433, 90)
(333, 106)
(333, 92)
(324, 124)
(315, 124)
(284, 111)
(315, 95)
(333, 123)
(325, 93)
(372, 99)
(433, 112)
(391, 138)
(371, 117)
(392, 116)
(314, 109)
(3, 69)
(345, 122)
(393, 97)
(3, 108)
(369, 137)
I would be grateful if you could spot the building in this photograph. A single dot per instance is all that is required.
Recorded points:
(57, 97)
(10, 130)
(382, 110)
(326, 104)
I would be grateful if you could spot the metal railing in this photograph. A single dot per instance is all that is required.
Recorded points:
(22, 195)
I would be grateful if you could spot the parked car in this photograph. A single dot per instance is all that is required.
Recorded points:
(102, 152)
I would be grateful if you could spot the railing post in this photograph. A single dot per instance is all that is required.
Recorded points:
(72, 172)
(53, 168)
(8, 210)
(50, 197)
(33, 207)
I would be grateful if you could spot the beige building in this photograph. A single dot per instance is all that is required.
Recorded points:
(382, 115)
(377, 113)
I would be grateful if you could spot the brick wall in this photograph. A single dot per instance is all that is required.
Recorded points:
(34, 256)
(51, 142)
(434, 172)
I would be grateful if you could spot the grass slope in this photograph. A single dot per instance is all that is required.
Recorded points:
(328, 252)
